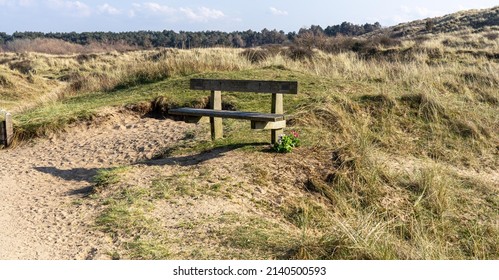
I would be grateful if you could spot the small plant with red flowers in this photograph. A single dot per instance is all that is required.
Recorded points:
(285, 143)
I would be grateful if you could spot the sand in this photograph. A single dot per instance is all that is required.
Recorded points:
(42, 183)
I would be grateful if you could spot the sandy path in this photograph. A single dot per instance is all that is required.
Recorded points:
(42, 215)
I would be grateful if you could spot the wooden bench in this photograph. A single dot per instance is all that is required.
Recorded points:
(274, 121)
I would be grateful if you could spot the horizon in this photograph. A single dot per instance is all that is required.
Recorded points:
(123, 16)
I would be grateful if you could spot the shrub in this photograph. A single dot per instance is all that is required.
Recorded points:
(255, 55)
(24, 66)
(492, 36)
(339, 44)
(286, 143)
(5, 82)
(300, 53)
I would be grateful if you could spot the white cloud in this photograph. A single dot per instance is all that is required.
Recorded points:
(474, 7)
(425, 12)
(278, 12)
(417, 12)
(153, 8)
(201, 14)
(72, 8)
(399, 19)
(407, 13)
(108, 9)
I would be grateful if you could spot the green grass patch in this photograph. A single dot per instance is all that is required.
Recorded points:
(107, 177)
(256, 238)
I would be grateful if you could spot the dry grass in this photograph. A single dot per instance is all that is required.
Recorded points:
(60, 47)
(399, 158)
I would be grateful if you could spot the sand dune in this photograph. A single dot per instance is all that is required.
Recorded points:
(41, 183)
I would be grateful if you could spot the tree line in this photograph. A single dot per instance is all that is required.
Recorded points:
(187, 39)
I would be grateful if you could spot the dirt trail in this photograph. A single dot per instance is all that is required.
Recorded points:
(41, 183)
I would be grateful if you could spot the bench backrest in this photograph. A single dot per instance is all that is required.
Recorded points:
(286, 87)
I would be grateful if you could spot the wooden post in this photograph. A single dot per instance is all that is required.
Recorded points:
(216, 123)
(2, 134)
(6, 130)
(277, 108)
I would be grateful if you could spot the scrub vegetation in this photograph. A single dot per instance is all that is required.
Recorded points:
(398, 155)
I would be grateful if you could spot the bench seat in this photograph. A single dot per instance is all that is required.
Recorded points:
(253, 116)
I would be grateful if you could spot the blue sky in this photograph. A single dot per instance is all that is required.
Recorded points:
(224, 15)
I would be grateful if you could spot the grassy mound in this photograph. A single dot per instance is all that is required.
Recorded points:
(399, 156)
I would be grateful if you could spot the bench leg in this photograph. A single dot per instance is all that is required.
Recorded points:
(275, 133)
(277, 108)
(216, 128)
(216, 123)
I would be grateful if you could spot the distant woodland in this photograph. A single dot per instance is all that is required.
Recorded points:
(186, 40)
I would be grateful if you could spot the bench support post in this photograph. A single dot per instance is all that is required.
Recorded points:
(6, 130)
(268, 125)
(277, 108)
(216, 123)
(194, 119)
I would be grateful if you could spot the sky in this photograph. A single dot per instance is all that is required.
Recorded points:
(222, 15)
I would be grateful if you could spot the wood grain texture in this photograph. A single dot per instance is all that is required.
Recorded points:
(268, 125)
(6, 130)
(217, 131)
(277, 108)
(284, 87)
(255, 116)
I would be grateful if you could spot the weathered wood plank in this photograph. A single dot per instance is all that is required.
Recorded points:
(286, 87)
(227, 114)
(216, 123)
(196, 119)
(3, 137)
(277, 104)
(6, 130)
(277, 108)
(268, 125)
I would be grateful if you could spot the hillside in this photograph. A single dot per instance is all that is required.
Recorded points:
(399, 155)
(485, 20)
